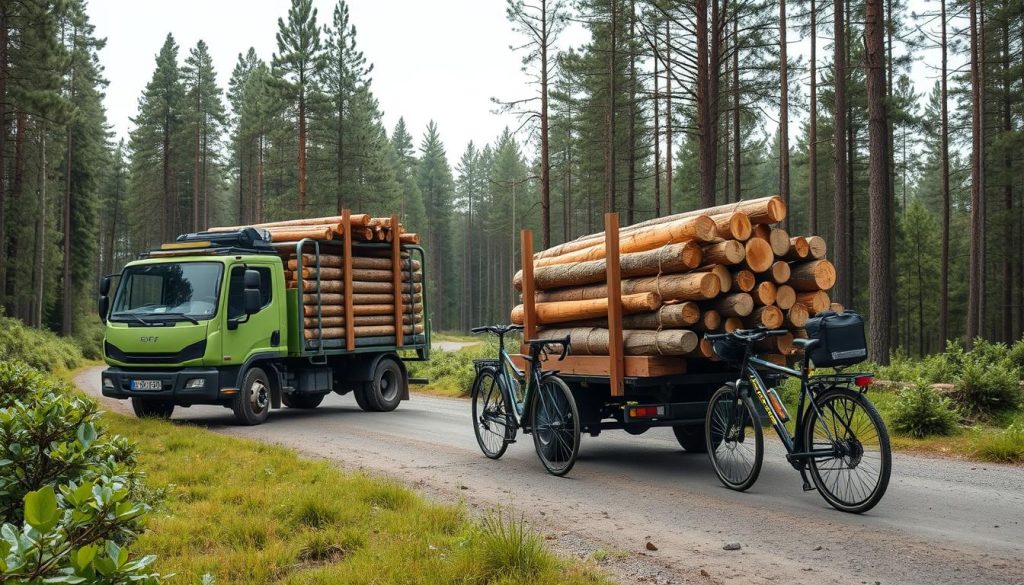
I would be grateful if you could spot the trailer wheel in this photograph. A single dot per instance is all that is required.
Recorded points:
(385, 390)
(691, 438)
(150, 408)
(252, 403)
(307, 401)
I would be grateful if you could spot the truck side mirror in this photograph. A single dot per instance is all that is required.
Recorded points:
(105, 286)
(104, 306)
(251, 295)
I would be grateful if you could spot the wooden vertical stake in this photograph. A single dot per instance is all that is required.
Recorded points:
(350, 330)
(529, 300)
(396, 280)
(615, 349)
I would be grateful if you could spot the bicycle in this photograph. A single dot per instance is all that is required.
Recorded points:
(840, 438)
(545, 408)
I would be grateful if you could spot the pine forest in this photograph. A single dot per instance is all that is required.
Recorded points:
(664, 106)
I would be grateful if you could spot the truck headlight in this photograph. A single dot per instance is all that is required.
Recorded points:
(195, 384)
(108, 383)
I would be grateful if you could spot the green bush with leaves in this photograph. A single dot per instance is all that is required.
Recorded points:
(40, 349)
(986, 389)
(452, 371)
(71, 496)
(921, 412)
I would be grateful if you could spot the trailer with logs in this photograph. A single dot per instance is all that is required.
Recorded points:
(636, 302)
(254, 317)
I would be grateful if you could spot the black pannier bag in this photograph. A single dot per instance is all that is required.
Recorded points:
(841, 339)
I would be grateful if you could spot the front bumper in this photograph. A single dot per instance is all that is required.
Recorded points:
(117, 383)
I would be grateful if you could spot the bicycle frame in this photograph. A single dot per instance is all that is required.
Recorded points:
(510, 377)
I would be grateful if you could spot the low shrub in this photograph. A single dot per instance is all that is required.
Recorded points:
(921, 412)
(510, 550)
(452, 371)
(985, 388)
(71, 495)
(1006, 446)
(40, 349)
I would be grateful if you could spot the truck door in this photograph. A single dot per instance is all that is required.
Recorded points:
(261, 331)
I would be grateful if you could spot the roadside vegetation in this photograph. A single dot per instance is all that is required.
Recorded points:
(963, 403)
(451, 373)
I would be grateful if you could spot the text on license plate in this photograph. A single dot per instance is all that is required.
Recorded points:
(146, 385)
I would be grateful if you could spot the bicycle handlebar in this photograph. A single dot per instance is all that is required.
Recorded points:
(747, 335)
(496, 329)
(564, 342)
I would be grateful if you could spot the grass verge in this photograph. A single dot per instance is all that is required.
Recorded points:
(245, 512)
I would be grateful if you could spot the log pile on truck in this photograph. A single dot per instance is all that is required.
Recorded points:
(360, 292)
(709, 270)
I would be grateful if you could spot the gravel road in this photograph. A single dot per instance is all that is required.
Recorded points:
(942, 521)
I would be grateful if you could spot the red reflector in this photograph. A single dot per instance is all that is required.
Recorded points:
(646, 411)
(863, 381)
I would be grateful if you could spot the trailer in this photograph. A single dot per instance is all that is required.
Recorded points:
(620, 392)
(211, 318)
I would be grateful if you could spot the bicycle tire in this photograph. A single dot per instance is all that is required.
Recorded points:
(485, 416)
(859, 418)
(555, 424)
(737, 461)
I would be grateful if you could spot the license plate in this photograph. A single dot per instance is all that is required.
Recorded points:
(143, 385)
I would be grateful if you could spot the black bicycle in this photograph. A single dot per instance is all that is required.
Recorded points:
(506, 399)
(839, 437)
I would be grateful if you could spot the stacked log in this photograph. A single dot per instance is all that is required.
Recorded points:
(703, 271)
(318, 279)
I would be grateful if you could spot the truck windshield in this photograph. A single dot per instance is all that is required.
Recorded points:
(181, 291)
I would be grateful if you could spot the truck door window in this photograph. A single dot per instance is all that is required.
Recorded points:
(236, 302)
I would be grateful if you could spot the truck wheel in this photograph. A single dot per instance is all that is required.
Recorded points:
(385, 390)
(151, 408)
(252, 403)
(360, 394)
(691, 438)
(307, 401)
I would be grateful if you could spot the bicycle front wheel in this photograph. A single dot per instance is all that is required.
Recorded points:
(734, 438)
(556, 425)
(492, 416)
(855, 477)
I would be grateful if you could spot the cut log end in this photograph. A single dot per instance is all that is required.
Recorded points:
(759, 255)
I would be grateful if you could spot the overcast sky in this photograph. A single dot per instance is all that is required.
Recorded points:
(433, 59)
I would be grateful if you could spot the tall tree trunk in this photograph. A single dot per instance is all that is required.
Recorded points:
(783, 110)
(631, 168)
(40, 263)
(737, 145)
(195, 178)
(1008, 277)
(258, 202)
(841, 208)
(169, 200)
(668, 116)
(609, 147)
(67, 285)
(109, 263)
(977, 231)
(302, 151)
(17, 188)
(946, 202)
(339, 160)
(880, 217)
(4, 41)
(706, 153)
(657, 135)
(983, 199)
(545, 157)
(812, 143)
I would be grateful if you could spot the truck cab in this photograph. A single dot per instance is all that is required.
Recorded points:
(205, 320)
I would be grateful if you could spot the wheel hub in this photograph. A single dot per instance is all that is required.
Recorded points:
(259, 396)
(852, 451)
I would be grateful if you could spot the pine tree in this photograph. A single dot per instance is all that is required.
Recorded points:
(205, 114)
(436, 185)
(296, 64)
(404, 163)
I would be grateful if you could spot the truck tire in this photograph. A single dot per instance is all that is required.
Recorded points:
(361, 400)
(691, 438)
(152, 408)
(385, 390)
(306, 401)
(252, 403)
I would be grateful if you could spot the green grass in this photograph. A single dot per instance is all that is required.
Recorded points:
(460, 336)
(451, 373)
(245, 512)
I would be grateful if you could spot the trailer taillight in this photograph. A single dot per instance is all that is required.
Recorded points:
(646, 411)
(863, 381)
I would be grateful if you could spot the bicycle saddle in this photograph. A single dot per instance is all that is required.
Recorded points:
(805, 344)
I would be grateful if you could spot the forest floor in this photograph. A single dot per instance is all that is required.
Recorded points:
(637, 506)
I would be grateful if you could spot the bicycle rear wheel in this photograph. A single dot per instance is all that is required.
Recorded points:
(556, 425)
(492, 416)
(856, 477)
(734, 439)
